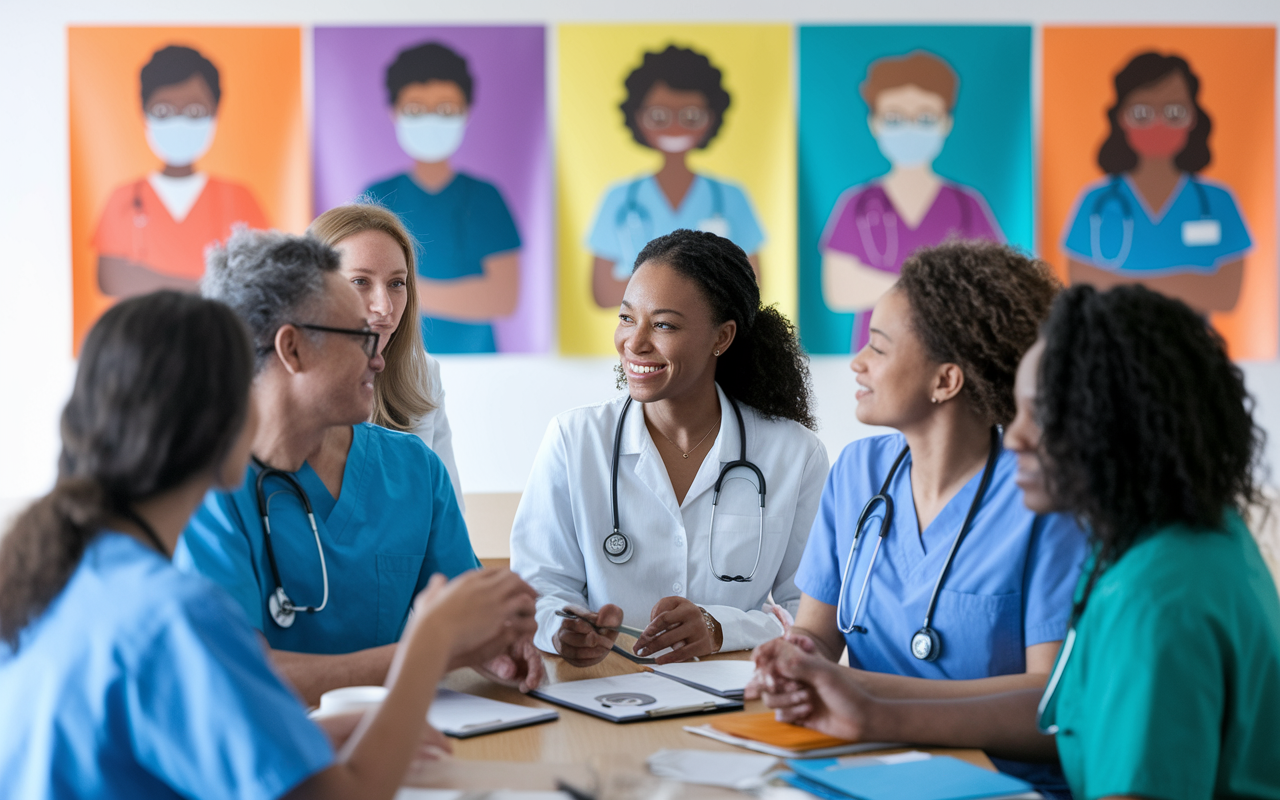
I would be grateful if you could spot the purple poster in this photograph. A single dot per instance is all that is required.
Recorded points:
(446, 126)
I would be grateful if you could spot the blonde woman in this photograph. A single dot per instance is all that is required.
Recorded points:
(378, 259)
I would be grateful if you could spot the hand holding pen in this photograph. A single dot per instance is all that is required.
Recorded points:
(585, 637)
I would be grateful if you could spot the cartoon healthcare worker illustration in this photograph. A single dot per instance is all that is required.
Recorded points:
(469, 262)
(876, 226)
(154, 230)
(675, 103)
(1152, 219)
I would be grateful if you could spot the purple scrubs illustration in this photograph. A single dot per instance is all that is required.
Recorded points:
(876, 226)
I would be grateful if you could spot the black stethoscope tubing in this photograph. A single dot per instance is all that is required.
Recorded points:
(617, 546)
(281, 608)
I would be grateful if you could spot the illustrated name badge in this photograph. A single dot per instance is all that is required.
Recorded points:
(1201, 232)
(717, 225)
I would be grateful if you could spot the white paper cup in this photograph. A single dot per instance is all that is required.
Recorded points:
(348, 699)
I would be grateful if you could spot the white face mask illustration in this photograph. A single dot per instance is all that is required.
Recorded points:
(430, 137)
(911, 144)
(179, 140)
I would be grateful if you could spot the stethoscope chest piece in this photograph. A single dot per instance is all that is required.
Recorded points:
(281, 608)
(617, 548)
(925, 644)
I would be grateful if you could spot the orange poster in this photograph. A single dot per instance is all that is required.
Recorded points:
(1158, 166)
(177, 135)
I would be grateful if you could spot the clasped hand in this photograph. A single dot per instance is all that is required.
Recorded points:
(674, 622)
(806, 689)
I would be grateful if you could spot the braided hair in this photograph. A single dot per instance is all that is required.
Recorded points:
(766, 367)
(1146, 422)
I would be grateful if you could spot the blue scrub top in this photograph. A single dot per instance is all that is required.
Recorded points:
(1199, 230)
(634, 212)
(456, 229)
(395, 524)
(139, 681)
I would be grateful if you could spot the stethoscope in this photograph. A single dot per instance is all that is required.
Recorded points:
(887, 258)
(926, 645)
(283, 610)
(617, 545)
(1113, 194)
(635, 223)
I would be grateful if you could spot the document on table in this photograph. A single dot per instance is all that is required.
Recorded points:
(464, 715)
(709, 768)
(721, 678)
(638, 696)
(936, 778)
(410, 793)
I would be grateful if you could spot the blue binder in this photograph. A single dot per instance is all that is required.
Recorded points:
(938, 778)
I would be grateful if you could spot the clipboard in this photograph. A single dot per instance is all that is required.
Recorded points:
(465, 715)
(721, 678)
(634, 698)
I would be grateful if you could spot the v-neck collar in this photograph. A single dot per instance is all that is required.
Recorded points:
(684, 201)
(916, 547)
(347, 501)
(1174, 196)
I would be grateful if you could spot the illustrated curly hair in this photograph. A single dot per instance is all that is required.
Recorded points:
(978, 305)
(1146, 422)
(765, 366)
(681, 69)
(1115, 156)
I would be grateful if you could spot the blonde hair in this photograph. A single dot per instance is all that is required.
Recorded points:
(400, 398)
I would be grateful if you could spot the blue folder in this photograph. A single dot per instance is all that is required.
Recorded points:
(938, 778)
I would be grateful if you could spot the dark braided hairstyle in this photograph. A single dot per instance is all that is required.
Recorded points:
(765, 367)
(978, 305)
(1146, 422)
(161, 394)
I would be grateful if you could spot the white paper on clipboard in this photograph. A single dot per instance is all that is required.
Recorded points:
(637, 696)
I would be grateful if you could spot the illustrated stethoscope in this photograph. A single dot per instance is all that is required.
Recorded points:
(617, 545)
(283, 610)
(926, 645)
(887, 258)
(1112, 194)
(635, 223)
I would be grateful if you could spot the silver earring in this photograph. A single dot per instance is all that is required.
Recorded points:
(716, 353)
(933, 400)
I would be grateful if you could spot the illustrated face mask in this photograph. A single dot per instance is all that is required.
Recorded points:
(911, 144)
(430, 138)
(179, 140)
(1158, 140)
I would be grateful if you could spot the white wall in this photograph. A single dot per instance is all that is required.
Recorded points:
(499, 407)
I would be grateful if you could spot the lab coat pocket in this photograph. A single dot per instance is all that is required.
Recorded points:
(735, 540)
(981, 634)
(397, 577)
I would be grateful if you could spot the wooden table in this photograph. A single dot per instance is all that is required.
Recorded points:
(533, 757)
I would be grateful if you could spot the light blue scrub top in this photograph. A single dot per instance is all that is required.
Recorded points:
(634, 212)
(139, 681)
(1009, 587)
(395, 524)
(1199, 230)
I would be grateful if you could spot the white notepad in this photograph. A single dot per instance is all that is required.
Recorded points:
(721, 678)
(638, 696)
(462, 715)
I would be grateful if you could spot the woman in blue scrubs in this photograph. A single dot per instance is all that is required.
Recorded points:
(939, 368)
(120, 676)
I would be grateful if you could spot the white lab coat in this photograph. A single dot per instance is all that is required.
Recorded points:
(565, 514)
(434, 430)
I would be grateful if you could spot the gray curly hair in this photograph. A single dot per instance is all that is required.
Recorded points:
(269, 279)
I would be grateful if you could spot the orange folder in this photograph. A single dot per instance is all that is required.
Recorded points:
(764, 728)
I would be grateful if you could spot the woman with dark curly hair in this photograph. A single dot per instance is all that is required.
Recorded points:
(675, 104)
(1131, 417)
(700, 541)
(1153, 219)
(923, 561)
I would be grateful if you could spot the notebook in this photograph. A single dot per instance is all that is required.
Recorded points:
(764, 734)
(937, 778)
(634, 697)
(465, 715)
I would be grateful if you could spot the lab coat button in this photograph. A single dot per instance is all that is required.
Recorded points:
(675, 587)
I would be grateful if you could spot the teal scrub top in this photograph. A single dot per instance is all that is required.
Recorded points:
(1172, 688)
(456, 229)
(634, 212)
(1198, 230)
(394, 524)
(140, 681)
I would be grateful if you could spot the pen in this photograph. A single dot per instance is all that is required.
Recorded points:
(627, 629)
(673, 710)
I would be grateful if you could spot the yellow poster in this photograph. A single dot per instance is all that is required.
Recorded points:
(661, 127)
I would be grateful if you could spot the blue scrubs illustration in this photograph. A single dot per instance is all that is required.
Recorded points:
(469, 247)
(675, 104)
(1153, 220)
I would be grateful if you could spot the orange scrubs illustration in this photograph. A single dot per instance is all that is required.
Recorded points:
(154, 230)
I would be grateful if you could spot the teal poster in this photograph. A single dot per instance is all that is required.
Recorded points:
(908, 136)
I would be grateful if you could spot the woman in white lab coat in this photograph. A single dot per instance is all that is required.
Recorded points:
(696, 349)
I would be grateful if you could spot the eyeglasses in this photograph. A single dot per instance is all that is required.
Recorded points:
(894, 119)
(169, 110)
(1175, 115)
(439, 109)
(657, 118)
(370, 343)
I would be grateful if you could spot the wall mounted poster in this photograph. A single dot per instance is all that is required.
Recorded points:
(1159, 168)
(908, 136)
(446, 126)
(663, 127)
(176, 135)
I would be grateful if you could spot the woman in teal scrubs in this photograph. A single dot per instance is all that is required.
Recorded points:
(1131, 417)
(120, 676)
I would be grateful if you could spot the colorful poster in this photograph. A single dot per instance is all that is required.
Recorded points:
(177, 134)
(663, 127)
(446, 126)
(908, 136)
(1159, 168)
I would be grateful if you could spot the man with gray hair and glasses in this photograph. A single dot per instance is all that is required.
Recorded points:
(338, 523)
